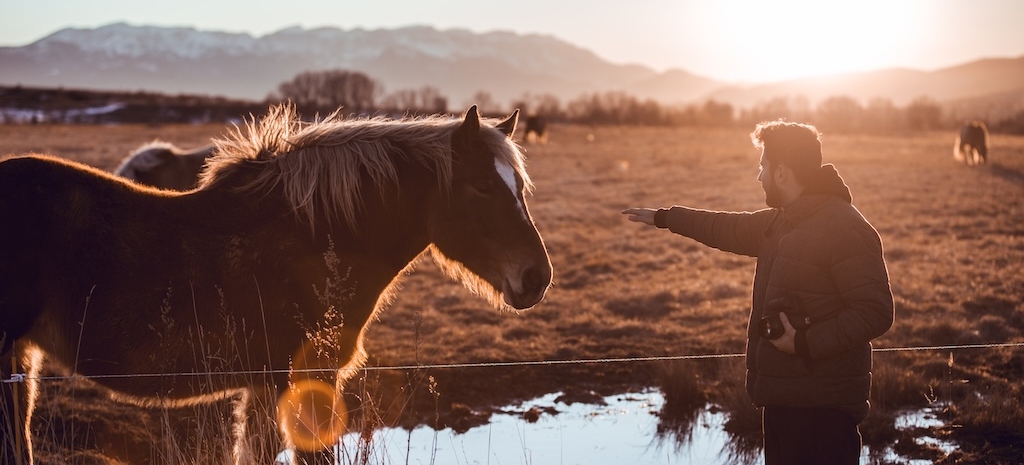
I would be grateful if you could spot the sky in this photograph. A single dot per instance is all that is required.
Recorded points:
(727, 40)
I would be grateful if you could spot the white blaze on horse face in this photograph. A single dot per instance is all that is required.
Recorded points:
(508, 174)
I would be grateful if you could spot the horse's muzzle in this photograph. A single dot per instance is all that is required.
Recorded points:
(532, 284)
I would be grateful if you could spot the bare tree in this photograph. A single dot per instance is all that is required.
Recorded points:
(485, 102)
(881, 116)
(924, 114)
(400, 101)
(717, 114)
(328, 90)
(840, 114)
(432, 101)
(426, 99)
(546, 105)
(615, 107)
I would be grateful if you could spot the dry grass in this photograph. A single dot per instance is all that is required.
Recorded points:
(953, 235)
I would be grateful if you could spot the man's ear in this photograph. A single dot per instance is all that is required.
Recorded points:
(781, 173)
(785, 176)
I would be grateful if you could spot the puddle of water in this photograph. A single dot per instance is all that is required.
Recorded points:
(924, 419)
(622, 431)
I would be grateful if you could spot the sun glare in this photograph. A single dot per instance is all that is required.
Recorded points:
(796, 38)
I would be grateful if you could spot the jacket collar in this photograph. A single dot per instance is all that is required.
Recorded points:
(827, 187)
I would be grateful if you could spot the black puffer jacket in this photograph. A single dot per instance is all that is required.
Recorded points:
(822, 251)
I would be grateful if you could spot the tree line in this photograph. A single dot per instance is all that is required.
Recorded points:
(357, 93)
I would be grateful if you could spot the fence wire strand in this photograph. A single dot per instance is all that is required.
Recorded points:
(22, 377)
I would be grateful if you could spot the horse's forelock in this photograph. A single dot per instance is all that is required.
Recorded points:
(506, 149)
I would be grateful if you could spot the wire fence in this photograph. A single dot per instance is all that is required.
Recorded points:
(22, 377)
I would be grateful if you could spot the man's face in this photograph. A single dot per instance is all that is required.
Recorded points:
(772, 193)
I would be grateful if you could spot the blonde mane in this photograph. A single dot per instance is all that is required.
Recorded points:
(318, 164)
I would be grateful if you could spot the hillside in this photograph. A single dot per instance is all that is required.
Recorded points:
(458, 62)
(974, 80)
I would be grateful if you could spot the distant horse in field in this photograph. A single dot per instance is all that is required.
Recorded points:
(161, 164)
(971, 146)
(537, 126)
(255, 287)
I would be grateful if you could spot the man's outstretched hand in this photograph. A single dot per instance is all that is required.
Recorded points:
(640, 215)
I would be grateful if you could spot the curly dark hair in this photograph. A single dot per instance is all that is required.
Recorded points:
(795, 145)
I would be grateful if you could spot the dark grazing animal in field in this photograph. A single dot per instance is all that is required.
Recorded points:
(162, 164)
(971, 146)
(262, 280)
(537, 126)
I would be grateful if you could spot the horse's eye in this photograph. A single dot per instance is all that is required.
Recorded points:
(483, 187)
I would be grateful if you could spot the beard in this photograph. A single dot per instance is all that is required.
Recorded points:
(773, 196)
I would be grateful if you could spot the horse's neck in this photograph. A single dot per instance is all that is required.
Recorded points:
(364, 264)
(390, 227)
(391, 231)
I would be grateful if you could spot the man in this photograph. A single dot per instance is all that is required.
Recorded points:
(820, 266)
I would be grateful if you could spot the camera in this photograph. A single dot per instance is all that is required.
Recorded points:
(770, 325)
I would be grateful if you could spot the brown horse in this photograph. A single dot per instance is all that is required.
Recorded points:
(162, 164)
(537, 126)
(256, 286)
(971, 146)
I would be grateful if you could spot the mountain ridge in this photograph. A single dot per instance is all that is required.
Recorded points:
(458, 62)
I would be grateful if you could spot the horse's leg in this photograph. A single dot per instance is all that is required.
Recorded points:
(11, 418)
(255, 429)
(211, 429)
(245, 429)
(19, 401)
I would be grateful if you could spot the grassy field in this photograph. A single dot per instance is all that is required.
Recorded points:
(954, 245)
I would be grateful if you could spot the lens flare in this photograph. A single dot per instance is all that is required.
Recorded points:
(311, 415)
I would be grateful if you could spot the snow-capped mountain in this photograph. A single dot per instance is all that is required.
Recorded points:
(124, 41)
(458, 62)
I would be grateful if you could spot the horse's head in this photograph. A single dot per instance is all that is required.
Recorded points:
(161, 164)
(481, 230)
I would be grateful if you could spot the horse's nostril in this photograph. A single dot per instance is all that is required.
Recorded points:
(533, 279)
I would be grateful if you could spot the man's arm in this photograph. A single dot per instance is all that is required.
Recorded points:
(736, 232)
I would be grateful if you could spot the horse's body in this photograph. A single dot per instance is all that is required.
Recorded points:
(162, 164)
(971, 146)
(266, 275)
(536, 129)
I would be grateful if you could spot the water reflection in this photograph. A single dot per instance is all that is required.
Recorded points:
(628, 428)
(624, 430)
(923, 422)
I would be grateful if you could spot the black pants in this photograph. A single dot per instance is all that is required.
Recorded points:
(810, 435)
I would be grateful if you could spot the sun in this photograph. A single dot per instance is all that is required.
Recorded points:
(797, 38)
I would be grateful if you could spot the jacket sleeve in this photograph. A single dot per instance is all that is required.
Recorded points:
(737, 232)
(859, 272)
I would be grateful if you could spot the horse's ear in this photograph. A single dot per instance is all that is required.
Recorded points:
(471, 122)
(509, 125)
